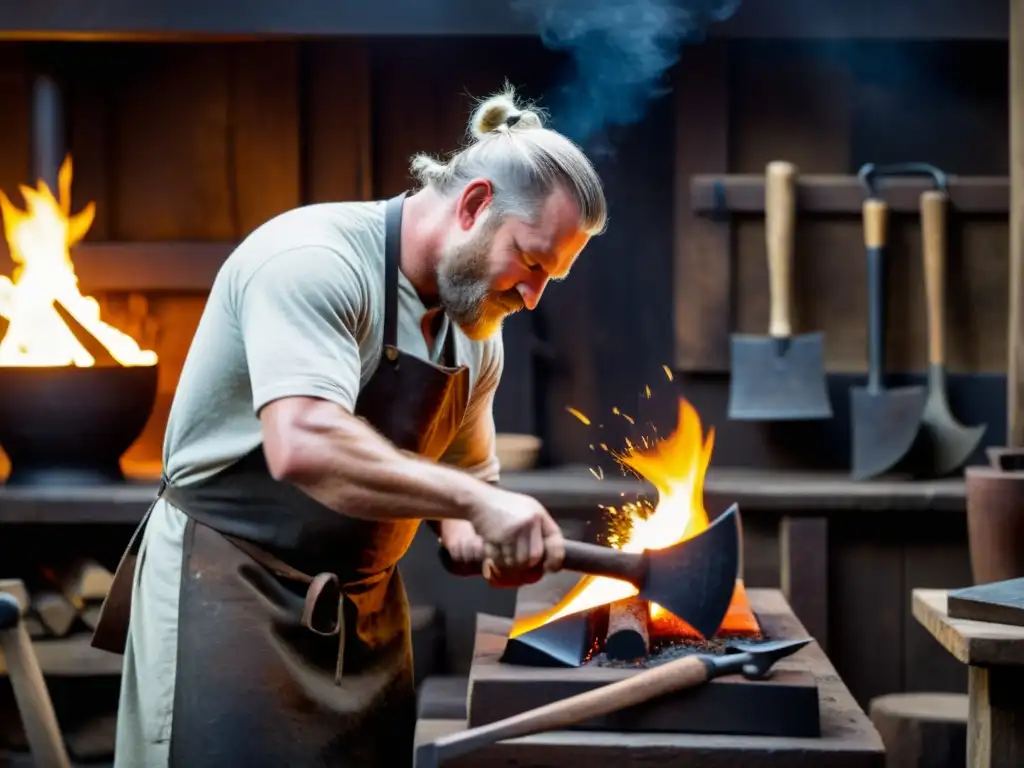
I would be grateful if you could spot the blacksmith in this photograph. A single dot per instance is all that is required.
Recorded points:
(338, 391)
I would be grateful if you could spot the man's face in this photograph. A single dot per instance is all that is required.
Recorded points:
(492, 267)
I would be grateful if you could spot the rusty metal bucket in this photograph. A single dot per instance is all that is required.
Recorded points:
(995, 516)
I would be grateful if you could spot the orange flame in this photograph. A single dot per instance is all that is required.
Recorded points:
(40, 238)
(676, 466)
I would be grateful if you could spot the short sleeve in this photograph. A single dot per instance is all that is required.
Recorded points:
(475, 447)
(301, 312)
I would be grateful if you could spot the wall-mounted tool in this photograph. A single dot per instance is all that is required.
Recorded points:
(885, 422)
(752, 661)
(781, 377)
(950, 443)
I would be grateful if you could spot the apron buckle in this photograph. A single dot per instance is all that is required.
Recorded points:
(320, 614)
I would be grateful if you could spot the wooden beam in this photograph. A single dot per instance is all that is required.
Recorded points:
(1015, 332)
(176, 266)
(703, 249)
(744, 193)
(803, 572)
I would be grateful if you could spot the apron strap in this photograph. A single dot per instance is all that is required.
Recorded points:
(392, 262)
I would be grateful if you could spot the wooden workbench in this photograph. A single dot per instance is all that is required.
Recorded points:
(848, 739)
(994, 654)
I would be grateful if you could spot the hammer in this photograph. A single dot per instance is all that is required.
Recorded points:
(753, 660)
(30, 692)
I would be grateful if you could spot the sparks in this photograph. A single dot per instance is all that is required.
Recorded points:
(579, 416)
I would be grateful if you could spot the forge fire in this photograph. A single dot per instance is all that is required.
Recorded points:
(624, 627)
(48, 322)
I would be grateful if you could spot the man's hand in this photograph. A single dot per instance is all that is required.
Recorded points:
(462, 541)
(465, 545)
(518, 533)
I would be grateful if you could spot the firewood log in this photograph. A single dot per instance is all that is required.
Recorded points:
(629, 632)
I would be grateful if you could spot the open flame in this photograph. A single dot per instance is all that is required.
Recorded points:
(676, 467)
(44, 283)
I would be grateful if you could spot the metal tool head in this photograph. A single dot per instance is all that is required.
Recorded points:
(950, 443)
(10, 611)
(761, 656)
(562, 642)
(778, 379)
(695, 579)
(885, 424)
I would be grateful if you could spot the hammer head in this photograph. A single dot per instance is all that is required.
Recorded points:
(10, 611)
(760, 657)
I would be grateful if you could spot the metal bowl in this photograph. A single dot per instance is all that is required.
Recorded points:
(70, 426)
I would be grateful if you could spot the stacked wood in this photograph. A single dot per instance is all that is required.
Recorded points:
(65, 599)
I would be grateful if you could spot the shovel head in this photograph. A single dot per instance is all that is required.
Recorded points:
(695, 579)
(885, 424)
(950, 443)
(778, 379)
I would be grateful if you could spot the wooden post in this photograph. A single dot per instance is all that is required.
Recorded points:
(1015, 334)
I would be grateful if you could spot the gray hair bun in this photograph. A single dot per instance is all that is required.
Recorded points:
(501, 113)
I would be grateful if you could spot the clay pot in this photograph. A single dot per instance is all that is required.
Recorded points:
(995, 516)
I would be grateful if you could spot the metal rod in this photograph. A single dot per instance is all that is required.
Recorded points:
(48, 144)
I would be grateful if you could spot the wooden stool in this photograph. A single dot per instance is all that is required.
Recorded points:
(922, 730)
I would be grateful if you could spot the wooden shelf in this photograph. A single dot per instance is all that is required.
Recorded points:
(570, 492)
(72, 657)
(744, 193)
(163, 266)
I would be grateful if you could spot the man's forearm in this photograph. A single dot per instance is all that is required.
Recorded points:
(345, 464)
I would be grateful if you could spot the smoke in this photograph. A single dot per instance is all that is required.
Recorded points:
(619, 52)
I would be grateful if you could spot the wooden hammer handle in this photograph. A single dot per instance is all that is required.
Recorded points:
(30, 692)
(677, 675)
(581, 557)
(780, 226)
(933, 244)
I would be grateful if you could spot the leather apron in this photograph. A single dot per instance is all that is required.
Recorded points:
(294, 644)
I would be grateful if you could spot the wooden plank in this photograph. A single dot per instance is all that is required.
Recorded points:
(847, 737)
(843, 194)
(169, 145)
(803, 556)
(935, 556)
(170, 21)
(88, 104)
(1015, 328)
(786, 705)
(995, 725)
(72, 657)
(338, 151)
(866, 588)
(263, 141)
(144, 267)
(571, 492)
(971, 642)
(703, 249)
(1000, 602)
(16, 146)
(650, 750)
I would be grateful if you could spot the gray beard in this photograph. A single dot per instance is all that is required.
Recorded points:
(464, 287)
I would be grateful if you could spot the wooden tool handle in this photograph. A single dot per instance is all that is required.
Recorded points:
(677, 675)
(30, 692)
(933, 245)
(876, 222)
(580, 557)
(780, 225)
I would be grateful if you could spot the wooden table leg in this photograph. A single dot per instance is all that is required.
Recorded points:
(803, 566)
(995, 724)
